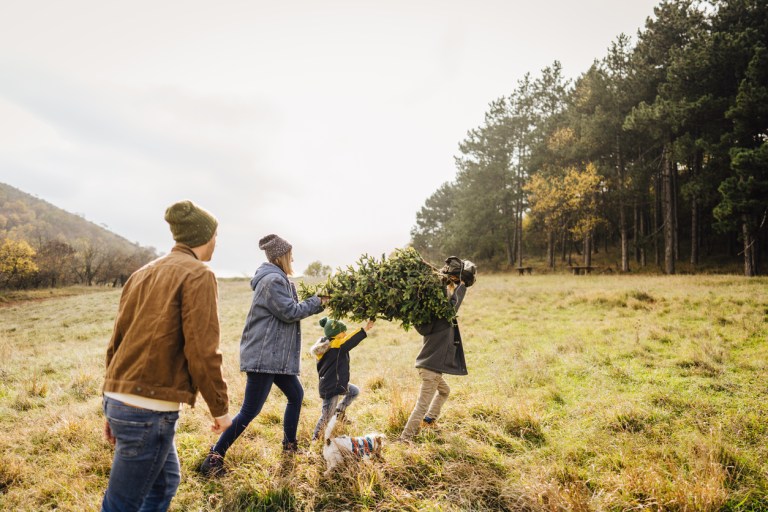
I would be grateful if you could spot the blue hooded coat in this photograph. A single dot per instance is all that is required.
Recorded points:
(271, 341)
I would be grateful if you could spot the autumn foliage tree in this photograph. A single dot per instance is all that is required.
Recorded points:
(55, 260)
(16, 263)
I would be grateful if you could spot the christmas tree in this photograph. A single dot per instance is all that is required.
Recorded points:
(402, 288)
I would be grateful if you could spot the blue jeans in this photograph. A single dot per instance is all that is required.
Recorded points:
(329, 407)
(145, 470)
(257, 389)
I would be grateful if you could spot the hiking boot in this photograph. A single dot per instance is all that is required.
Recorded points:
(213, 465)
(293, 449)
(407, 441)
(428, 422)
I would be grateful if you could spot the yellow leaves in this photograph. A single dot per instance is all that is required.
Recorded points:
(584, 186)
(16, 259)
(546, 199)
(581, 184)
(561, 138)
(569, 195)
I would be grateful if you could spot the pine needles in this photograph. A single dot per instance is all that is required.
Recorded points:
(402, 288)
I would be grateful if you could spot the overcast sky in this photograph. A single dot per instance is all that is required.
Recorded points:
(326, 122)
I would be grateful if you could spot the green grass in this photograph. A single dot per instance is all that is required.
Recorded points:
(585, 393)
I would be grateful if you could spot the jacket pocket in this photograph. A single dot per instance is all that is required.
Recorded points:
(450, 355)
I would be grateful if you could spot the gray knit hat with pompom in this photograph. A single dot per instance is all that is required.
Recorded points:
(274, 246)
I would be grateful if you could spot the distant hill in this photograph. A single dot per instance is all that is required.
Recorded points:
(23, 216)
(66, 244)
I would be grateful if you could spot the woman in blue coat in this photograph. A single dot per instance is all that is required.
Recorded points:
(270, 349)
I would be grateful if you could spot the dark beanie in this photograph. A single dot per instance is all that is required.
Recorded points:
(331, 327)
(190, 224)
(274, 246)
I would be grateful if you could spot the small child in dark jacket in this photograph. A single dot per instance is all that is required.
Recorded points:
(332, 353)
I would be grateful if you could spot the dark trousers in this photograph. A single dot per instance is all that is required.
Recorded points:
(257, 390)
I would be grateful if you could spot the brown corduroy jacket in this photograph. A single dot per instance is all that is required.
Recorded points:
(165, 343)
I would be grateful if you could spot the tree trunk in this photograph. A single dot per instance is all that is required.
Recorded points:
(695, 231)
(695, 214)
(564, 246)
(668, 207)
(636, 230)
(624, 234)
(520, 221)
(622, 215)
(658, 190)
(514, 242)
(760, 245)
(749, 247)
(675, 216)
(643, 232)
(551, 249)
(588, 250)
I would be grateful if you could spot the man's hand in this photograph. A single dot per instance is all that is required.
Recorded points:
(108, 434)
(369, 325)
(324, 299)
(221, 424)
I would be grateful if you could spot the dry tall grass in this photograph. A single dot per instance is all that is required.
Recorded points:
(585, 393)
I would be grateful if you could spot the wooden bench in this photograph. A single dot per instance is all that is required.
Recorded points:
(524, 270)
(583, 270)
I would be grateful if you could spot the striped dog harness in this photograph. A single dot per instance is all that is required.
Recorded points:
(362, 446)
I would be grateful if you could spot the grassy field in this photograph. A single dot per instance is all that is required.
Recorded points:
(584, 393)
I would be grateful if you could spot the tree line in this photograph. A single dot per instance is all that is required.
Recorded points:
(659, 150)
(58, 263)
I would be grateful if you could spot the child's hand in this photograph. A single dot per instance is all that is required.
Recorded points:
(369, 325)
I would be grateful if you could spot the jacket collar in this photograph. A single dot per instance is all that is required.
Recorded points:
(341, 338)
(183, 248)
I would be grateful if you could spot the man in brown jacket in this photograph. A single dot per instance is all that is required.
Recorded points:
(164, 349)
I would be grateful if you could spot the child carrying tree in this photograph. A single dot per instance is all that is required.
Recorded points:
(441, 352)
(332, 353)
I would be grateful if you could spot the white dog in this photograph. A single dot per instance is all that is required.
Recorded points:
(337, 449)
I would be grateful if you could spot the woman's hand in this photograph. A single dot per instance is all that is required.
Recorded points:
(370, 323)
(324, 299)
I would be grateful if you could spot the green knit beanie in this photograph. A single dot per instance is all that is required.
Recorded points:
(190, 224)
(331, 327)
